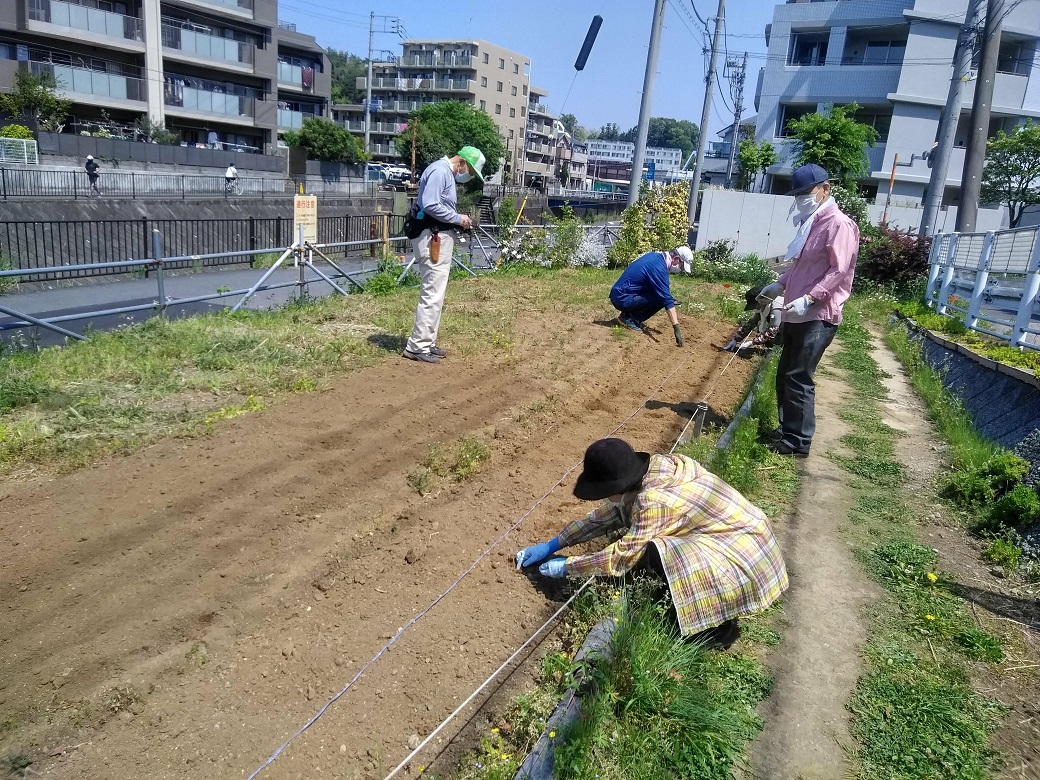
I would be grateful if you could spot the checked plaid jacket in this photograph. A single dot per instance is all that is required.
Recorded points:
(719, 553)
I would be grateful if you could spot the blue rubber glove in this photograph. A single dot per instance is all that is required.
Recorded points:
(554, 567)
(536, 553)
(800, 306)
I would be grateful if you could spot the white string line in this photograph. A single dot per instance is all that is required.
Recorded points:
(487, 682)
(545, 625)
(467, 572)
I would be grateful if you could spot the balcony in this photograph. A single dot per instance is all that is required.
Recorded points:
(387, 150)
(93, 83)
(92, 20)
(358, 126)
(242, 6)
(539, 108)
(291, 119)
(428, 60)
(203, 101)
(202, 45)
(293, 75)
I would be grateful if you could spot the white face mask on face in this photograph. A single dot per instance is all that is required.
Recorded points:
(462, 178)
(806, 204)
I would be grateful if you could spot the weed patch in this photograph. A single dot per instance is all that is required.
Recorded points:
(448, 465)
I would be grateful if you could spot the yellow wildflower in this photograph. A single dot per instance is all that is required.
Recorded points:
(552, 735)
(932, 576)
(506, 756)
(929, 617)
(494, 730)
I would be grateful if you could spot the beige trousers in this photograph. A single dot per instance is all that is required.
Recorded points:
(434, 285)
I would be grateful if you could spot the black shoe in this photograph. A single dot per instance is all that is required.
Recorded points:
(438, 352)
(422, 357)
(774, 437)
(782, 448)
(720, 637)
(631, 322)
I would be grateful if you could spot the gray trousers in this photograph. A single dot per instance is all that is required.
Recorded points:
(434, 286)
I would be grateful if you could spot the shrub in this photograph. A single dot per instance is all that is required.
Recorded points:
(507, 214)
(888, 255)
(1004, 552)
(1019, 508)
(565, 237)
(657, 221)
(984, 484)
(717, 263)
(852, 204)
(16, 131)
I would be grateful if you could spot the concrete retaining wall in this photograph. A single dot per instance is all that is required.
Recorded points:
(1004, 402)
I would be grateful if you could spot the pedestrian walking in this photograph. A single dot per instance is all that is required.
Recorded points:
(432, 224)
(92, 169)
(714, 548)
(815, 288)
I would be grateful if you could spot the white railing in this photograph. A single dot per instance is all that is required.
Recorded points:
(17, 150)
(991, 281)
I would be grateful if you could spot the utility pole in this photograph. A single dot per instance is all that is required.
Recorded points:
(939, 157)
(645, 103)
(702, 135)
(736, 84)
(975, 157)
(368, 81)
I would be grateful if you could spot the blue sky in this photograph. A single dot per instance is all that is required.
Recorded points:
(608, 90)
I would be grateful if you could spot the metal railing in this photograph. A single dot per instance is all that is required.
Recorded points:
(81, 248)
(991, 281)
(92, 20)
(19, 151)
(207, 45)
(98, 83)
(18, 183)
(210, 102)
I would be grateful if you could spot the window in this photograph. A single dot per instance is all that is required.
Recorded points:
(521, 132)
(880, 121)
(486, 58)
(512, 112)
(527, 68)
(525, 90)
(501, 64)
(498, 108)
(483, 81)
(884, 52)
(510, 134)
(516, 67)
(498, 86)
(523, 111)
(483, 105)
(786, 114)
(512, 91)
(808, 49)
(1015, 56)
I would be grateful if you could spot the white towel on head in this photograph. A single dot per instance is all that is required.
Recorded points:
(794, 249)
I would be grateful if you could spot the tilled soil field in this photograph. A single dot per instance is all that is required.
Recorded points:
(181, 612)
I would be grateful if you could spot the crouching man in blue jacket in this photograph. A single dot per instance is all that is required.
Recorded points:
(644, 289)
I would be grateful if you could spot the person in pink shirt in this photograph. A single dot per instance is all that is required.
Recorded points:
(815, 288)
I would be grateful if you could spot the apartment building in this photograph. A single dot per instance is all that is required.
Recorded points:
(666, 160)
(486, 76)
(213, 71)
(894, 58)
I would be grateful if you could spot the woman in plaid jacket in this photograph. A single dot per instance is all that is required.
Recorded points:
(714, 548)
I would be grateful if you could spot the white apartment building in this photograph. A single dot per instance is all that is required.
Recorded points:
(894, 58)
(664, 159)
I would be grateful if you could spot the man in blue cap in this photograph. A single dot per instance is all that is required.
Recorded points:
(433, 225)
(815, 288)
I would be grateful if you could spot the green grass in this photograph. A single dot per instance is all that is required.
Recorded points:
(915, 714)
(448, 465)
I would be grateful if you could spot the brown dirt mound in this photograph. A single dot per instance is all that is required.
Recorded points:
(181, 612)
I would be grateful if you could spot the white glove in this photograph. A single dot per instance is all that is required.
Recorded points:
(800, 306)
(776, 313)
(770, 291)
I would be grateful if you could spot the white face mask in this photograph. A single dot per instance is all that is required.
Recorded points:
(462, 178)
(806, 204)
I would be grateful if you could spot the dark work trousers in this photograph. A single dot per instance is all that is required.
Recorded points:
(651, 562)
(636, 306)
(803, 346)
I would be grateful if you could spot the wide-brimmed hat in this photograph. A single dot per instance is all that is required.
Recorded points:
(805, 177)
(611, 467)
(475, 158)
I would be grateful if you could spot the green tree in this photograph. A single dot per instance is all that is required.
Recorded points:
(444, 128)
(609, 132)
(36, 98)
(346, 69)
(325, 140)
(835, 141)
(1012, 172)
(668, 134)
(754, 159)
(578, 133)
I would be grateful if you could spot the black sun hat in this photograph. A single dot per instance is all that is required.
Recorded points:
(751, 298)
(611, 467)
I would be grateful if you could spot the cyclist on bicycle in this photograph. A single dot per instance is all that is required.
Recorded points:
(230, 178)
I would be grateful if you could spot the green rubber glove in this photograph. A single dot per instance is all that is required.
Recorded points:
(678, 335)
